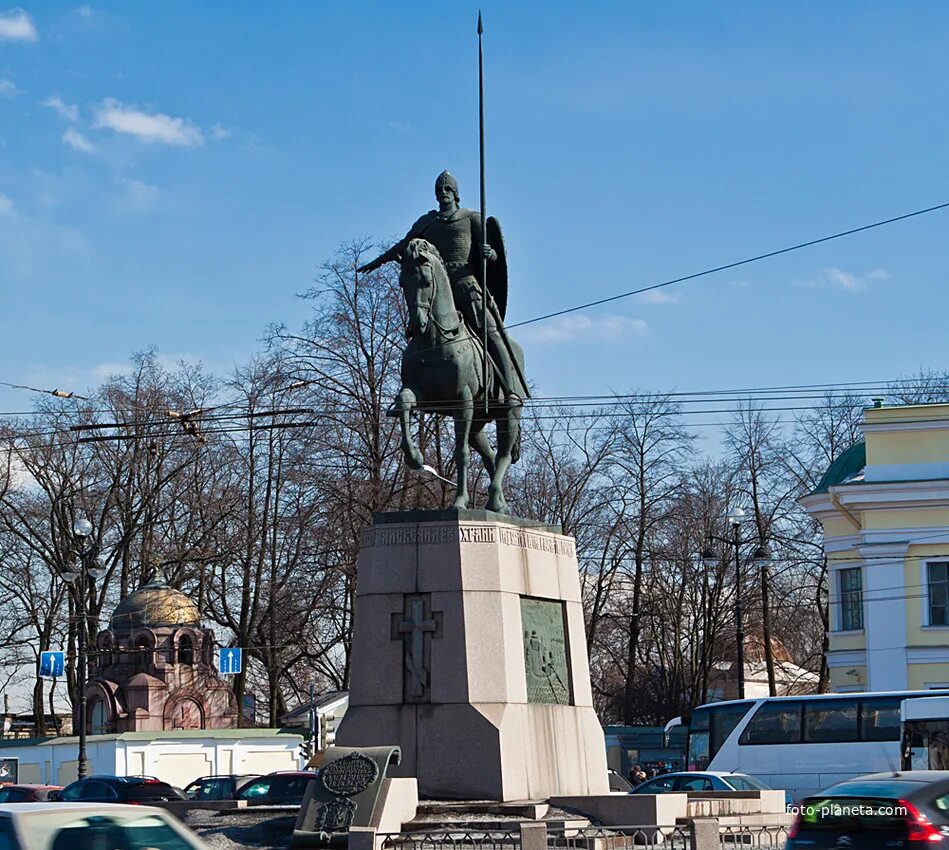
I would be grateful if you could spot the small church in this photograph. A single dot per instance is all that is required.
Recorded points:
(153, 668)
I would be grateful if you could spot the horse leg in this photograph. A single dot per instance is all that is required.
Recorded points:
(480, 443)
(405, 403)
(507, 428)
(463, 418)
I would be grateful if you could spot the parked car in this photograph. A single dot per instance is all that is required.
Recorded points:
(283, 788)
(218, 787)
(72, 826)
(27, 793)
(879, 810)
(618, 782)
(694, 780)
(117, 789)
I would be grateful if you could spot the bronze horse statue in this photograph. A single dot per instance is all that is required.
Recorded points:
(443, 373)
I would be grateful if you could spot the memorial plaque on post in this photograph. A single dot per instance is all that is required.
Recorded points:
(343, 795)
(546, 662)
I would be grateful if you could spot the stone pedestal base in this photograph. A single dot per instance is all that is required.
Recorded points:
(469, 653)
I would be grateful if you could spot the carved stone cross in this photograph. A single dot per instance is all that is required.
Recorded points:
(415, 627)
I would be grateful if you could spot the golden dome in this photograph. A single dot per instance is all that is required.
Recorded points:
(156, 604)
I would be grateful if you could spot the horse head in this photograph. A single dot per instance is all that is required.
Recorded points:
(424, 283)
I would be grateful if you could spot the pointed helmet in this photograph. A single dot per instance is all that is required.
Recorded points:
(446, 178)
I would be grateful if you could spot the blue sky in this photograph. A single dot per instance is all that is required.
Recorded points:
(171, 174)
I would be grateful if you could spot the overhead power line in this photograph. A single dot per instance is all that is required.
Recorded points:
(733, 265)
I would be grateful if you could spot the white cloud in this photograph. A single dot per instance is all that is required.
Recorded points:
(103, 371)
(7, 87)
(17, 25)
(657, 296)
(833, 277)
(85, 11)
(6, 205)
(139, 196)
(217, 132)
(570, 328)
(77, 141)
(147, 127)
(616, 326)
(10, 465)
(65, 110)
(845, 280)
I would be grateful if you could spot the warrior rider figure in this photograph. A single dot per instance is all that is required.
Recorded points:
(456, 232)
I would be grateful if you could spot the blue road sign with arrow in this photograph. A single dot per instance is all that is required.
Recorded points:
(52, 664)
(230, 661)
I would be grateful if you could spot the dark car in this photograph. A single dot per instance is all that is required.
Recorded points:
(117, 789)
(880, 810)
(27, 793)
(284, 788)
(218, 787)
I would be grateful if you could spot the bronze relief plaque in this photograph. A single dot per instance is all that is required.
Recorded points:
(350, 775)
(546, 655)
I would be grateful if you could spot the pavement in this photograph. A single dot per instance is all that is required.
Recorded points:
(261, 828)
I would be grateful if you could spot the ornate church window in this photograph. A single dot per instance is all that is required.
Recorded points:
(185, 650)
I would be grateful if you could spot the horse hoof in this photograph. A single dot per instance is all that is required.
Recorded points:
(498, 506)
(460, 503)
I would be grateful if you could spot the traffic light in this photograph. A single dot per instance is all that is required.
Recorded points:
(305, 750)
(328, 730)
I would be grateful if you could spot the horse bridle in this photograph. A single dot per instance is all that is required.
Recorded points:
(435, 283)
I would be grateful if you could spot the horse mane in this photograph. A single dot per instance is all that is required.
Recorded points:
(423, 246)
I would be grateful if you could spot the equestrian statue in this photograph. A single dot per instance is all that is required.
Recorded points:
(452, 313)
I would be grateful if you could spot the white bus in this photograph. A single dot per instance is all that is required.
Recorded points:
(926, 734)
(800, 744)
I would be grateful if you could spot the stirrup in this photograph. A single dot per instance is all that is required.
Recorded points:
(512, 399)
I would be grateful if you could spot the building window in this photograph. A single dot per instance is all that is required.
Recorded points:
(938, 594)
(851, 599)
(185, 650)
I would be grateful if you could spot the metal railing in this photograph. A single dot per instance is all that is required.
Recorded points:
(538, 836)
(633, 837)
(740, 837)
(468, 839)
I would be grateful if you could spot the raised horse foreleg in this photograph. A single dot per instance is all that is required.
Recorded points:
(508, 427)
(463, 417)
(405, 403)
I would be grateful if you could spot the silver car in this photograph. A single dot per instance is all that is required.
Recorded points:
(695, 780)
(68, 826)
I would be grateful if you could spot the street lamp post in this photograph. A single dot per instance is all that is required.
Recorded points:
(88, 551)
(710, 559)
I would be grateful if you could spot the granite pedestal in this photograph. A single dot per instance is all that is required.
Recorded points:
(469, 653)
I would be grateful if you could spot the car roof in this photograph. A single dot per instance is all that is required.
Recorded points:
(289, 773)
(40, 808)
(910, 782)
(908, 775)
(32, 786)
(719, 773)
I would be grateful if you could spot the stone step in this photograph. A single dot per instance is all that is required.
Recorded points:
(523, 809)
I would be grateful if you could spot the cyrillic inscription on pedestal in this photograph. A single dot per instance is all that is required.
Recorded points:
(545, 651)
(415, 627)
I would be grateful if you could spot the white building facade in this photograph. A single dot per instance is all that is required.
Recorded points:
(174, 757)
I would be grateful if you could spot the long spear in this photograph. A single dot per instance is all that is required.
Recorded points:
(484, 219)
